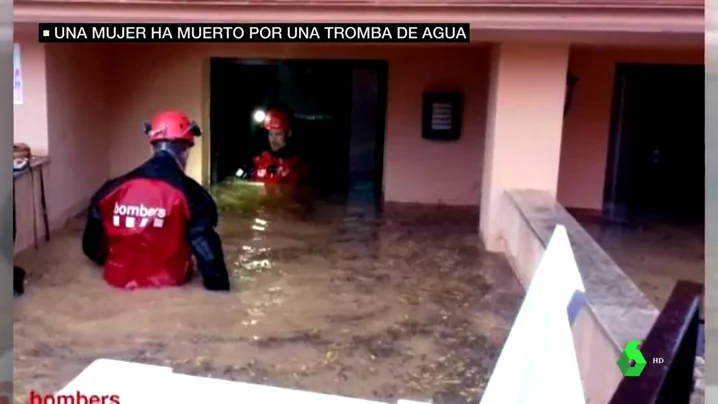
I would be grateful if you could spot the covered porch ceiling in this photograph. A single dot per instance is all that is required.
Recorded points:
(631, 22)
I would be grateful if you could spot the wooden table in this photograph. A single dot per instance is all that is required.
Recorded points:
(36, 166)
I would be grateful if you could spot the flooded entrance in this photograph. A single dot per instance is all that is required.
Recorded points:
(330, 116)
(335, 300)
(655, 256)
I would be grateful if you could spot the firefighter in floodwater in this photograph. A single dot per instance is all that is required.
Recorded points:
(281, 169)
(145, 226)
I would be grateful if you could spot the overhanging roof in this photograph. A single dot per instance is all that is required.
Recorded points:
(682, 20)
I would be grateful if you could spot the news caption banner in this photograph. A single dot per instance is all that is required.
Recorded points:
(288, 33)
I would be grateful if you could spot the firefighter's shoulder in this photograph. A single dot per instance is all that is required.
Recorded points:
(198, 198)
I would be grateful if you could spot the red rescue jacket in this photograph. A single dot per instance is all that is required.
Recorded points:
(145, 226)
(271, 168)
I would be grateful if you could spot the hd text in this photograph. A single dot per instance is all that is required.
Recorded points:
(297, 33)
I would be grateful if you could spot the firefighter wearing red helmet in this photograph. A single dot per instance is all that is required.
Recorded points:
(280, 164)
(144, 226)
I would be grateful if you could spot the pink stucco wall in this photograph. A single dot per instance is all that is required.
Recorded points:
(97, 98)
(30, 118)
(524, 130)
(77, 123)
(63, 115)
(416, 170)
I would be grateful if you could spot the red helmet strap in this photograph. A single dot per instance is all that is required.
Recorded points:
(192, 128)
(147, 128)
(195, 129)
(156, 131)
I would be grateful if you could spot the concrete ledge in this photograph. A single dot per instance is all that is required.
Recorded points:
(616, 310)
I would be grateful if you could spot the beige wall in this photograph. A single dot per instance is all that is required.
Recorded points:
(524, 131)
(416, 170)
(64, 110)
(30, 118)
(585, 136)
(96, 99)
(77, 123)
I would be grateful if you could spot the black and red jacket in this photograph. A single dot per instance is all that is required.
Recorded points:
(283, 166)
(145, 226)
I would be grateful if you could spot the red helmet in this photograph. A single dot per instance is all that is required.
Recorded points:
(172, 125)
(276, 120)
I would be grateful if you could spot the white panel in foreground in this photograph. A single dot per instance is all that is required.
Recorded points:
(135, 383)
(538, 363)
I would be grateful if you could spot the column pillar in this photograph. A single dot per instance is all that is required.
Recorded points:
(523, 126)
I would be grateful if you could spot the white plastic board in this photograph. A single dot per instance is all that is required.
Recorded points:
(538, 363)
(136, 383)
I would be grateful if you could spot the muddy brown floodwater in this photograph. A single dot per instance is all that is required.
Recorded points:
(339, 300)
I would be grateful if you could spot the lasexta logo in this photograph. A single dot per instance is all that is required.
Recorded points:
(632, 362)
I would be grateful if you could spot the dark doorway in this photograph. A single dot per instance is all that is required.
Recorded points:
(655, 168)
(338, 110)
